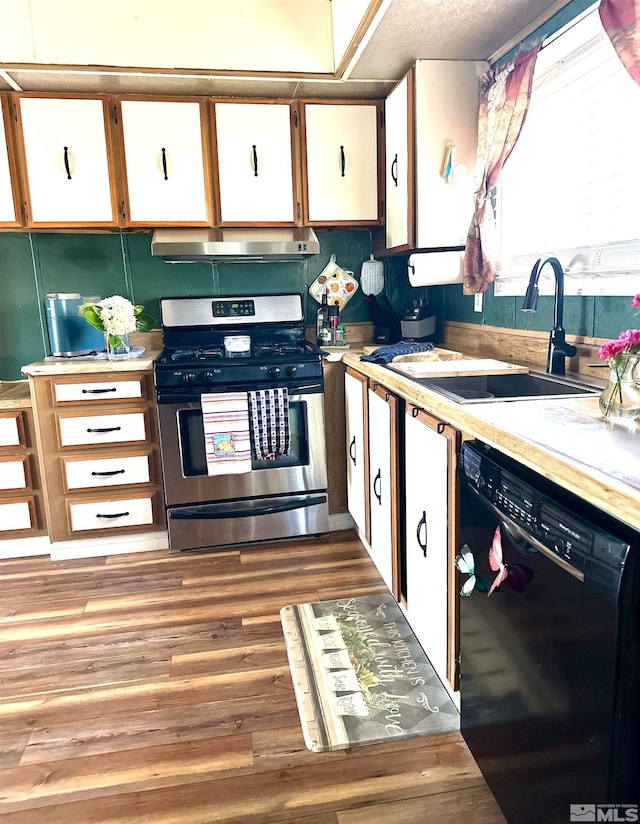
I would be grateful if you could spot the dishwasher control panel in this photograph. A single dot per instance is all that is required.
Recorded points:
(542, 511)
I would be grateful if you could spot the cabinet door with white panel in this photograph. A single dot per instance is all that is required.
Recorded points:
(9, 192)
(357, 444)
(20, 494)
(340, 162)
(431, 120)
(255, 163)
(398, 118)
(68, 169)
(383, 485)
(430, 450)
(166, 161)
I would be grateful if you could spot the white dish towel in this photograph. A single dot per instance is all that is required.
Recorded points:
(225, 418)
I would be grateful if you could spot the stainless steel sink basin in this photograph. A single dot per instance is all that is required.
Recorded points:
(520, 386)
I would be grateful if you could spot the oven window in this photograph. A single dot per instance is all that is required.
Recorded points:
(194, 461)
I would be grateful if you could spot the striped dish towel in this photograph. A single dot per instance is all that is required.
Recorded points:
(227, 444)
(269, 413)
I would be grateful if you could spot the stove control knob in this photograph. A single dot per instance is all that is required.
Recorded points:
(188, 377)
(274, 371)
(207, 377)
(291, 370)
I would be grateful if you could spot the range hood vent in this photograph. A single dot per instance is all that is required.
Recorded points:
(233, 245)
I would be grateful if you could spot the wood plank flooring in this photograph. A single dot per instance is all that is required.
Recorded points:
(155, 688)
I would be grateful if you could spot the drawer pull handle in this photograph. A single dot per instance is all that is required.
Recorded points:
(164, 164)
(67, 167)
(352, 450)
(108, 474)
(343, 162)
(255, 161)
(114, 515)
(105, 429)
(422, 521)
(378, 479)
(98, 391)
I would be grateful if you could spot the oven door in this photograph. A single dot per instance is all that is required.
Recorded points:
(184, 463)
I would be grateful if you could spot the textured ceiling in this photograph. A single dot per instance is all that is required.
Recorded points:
(409, 30)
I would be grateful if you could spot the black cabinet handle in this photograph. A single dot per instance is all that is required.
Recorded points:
(343, 161)
(352, 450)
(394, 170)
(114, 515)
(164, 164)
(106, 429)
(422, 521)
(108, 474)
(98, 391)
(66, 162)
(255, 161)
(376, 480)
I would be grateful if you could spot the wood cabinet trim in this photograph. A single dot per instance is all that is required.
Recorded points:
(112, 163)
(22, 440)
(206, 158)
(7, 112)
(24, 459)
(23, 499)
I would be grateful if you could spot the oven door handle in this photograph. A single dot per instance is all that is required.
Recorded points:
(216, 512)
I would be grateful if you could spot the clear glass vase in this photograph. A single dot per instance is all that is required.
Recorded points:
(117, 347)
(621, 396)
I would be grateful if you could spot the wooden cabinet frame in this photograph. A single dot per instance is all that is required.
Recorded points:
(108, 116)
(8, 113)
(454, 439)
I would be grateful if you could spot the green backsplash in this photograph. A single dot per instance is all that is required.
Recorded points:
(32, 265)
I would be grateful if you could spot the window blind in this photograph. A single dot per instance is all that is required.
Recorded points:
(572, 184)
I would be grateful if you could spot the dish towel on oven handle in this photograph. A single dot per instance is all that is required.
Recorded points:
(269, 413)
(227, 443)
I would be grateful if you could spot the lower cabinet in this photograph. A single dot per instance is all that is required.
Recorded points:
(357, 443)
(429, 581)
(383, 485)
(98, 438)
(21, 512)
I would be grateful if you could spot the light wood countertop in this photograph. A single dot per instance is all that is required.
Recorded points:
(74, 366)
(14, 395)
(566, 440)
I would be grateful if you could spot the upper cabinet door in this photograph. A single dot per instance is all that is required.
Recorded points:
(9, 200)
(166, 162)
(398, 121)
(340, 165)
(255, 163)
(69, 176)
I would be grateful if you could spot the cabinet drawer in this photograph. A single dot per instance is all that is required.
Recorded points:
(83, 430)
(11, 429)
(14, 473)
(97, 392)
(106, 472)
(110, 514)
(16, 515)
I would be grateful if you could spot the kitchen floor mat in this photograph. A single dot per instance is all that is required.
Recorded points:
(360, 676)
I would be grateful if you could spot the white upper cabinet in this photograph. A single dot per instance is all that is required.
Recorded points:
(69, 176)
(166, 162)
(435, 105)
(255, 163)
(340, 164)
(8, 185)
(398, 157)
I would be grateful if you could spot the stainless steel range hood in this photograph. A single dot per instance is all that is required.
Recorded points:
(234, 245)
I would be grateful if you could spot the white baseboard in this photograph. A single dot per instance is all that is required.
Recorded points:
(340, 521)
(109, 545)
(24, 547)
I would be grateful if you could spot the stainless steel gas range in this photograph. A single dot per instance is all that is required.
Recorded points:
(214, 346)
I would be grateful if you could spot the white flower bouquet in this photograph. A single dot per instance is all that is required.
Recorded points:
(116, 317)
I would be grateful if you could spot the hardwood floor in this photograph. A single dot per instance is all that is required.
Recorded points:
(155, 688)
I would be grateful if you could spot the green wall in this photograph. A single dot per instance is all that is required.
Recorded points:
(594, 316)
(34, 264)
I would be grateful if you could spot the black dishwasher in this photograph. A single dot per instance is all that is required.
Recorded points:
(548, 658)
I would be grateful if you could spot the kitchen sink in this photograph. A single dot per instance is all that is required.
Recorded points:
(510, 387)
